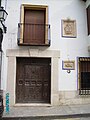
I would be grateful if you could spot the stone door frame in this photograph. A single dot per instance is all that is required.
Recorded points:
(11, 71)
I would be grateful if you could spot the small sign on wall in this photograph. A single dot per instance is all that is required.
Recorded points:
(68, 28)
(68, 65)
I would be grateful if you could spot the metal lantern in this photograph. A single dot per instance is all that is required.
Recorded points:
(3, 14)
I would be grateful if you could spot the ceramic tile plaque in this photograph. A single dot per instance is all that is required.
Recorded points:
(68, 65)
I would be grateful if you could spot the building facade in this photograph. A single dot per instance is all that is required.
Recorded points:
(46, 52)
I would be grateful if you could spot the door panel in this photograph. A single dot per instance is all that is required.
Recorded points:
(34, 31)
(33, 80)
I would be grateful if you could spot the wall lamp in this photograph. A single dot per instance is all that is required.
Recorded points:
(3, 16)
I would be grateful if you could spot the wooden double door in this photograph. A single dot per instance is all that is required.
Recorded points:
(33, 80)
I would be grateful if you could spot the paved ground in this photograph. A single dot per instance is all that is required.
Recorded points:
(69, 112)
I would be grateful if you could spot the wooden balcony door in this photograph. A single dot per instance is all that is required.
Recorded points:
(34, 27)
(33, 83)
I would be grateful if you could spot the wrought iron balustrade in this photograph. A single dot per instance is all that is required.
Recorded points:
(84, 76)
(85, 91)
(34, 34)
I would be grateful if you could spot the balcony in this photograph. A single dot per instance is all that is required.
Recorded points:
(33, 34)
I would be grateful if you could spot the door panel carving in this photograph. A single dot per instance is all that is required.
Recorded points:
(33, 80)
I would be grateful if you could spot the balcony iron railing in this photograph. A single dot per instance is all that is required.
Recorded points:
(34, 34)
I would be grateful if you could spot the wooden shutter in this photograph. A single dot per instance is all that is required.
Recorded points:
(88, 19)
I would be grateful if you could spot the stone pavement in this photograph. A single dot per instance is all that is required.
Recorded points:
(51, 112)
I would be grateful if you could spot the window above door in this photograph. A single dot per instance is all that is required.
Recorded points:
(88, 19)
(33, 28)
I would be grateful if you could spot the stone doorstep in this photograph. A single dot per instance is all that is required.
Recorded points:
(49, 117)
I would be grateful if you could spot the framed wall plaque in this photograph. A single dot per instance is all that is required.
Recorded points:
(68, 28)
(68, 65)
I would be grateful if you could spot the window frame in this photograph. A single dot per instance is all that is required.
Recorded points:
(88, 19)
(82, 91)
(33, 7)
